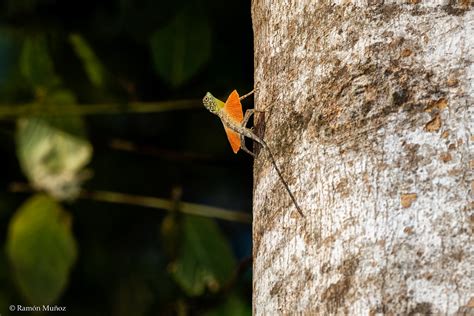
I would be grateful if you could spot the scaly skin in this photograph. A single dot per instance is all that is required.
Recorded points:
(216, 107)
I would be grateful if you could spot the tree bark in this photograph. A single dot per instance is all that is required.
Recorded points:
(369, 115)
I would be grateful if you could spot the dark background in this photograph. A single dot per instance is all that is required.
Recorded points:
(135, 51)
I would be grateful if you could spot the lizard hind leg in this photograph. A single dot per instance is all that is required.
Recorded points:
(244, 148)
(248, 114)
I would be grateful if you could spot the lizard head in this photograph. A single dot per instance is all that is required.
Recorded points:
(210, 103)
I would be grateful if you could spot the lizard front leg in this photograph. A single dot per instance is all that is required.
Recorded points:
(247, 95)
(248, 114)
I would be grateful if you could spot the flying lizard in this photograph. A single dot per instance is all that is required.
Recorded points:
(235, 124)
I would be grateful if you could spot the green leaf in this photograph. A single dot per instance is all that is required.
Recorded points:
(232, 306)
(182, 47)
(205, 258)
(52, 159)
(92, 65)
(41, 249)
(36, 64)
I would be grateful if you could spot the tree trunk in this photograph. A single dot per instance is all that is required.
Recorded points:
(369, 115)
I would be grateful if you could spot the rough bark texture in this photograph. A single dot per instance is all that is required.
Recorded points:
(369, 111)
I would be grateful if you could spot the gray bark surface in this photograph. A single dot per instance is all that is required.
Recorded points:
(369, 113)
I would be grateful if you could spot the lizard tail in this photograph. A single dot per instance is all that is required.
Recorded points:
(285, 184)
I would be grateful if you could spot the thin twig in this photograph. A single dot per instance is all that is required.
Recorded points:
(153, 202)
(14, 111)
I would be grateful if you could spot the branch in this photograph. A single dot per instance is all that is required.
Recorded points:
(153, 202)
(31, 109)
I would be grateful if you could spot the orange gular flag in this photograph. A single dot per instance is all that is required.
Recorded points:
(233, 108)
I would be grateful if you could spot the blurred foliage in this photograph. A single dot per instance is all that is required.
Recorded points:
(51, 158)
(62, 243)
(205, 260)
(92, 65)
(181, 47)
(232, 306)
(41, 249)
(36, 65)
